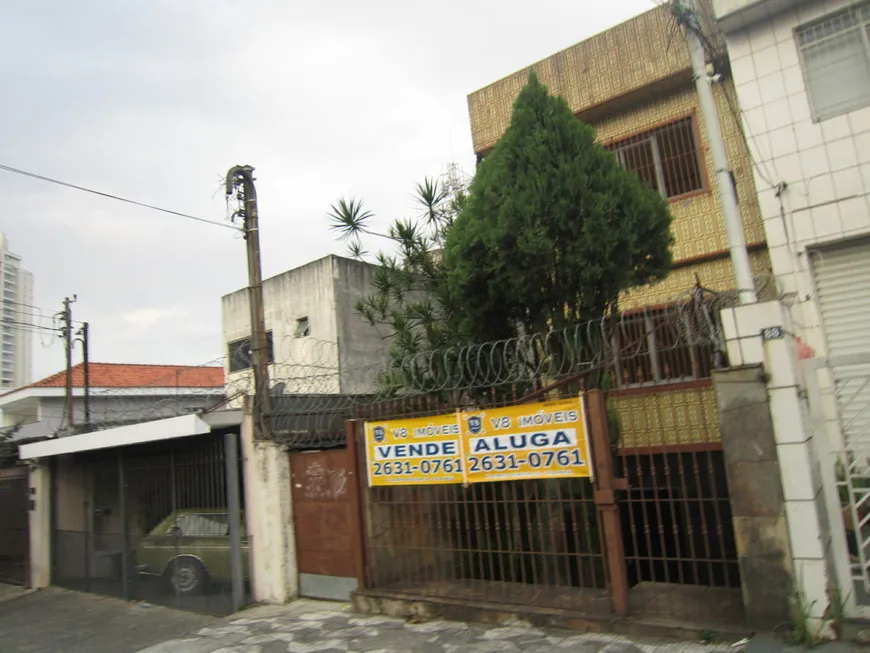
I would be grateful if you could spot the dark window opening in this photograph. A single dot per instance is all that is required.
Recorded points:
(667, 159)
(241, 356)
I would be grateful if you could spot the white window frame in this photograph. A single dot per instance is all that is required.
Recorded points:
(657, 160)
(862, 25)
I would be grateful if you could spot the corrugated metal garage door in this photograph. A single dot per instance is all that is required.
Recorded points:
(843, 286)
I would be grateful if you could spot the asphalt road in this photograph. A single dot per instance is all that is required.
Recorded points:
(61, 621)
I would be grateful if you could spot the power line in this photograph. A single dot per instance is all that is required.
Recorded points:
(43, 312)
(27, 325)
(33, 175)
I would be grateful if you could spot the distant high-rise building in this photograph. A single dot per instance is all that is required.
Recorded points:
(16, 337)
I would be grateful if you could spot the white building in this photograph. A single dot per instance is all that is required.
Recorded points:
(119, 394)
(318, 344)
(17, 342)
(802, 73)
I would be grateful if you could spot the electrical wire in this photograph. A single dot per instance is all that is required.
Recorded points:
(33, 175)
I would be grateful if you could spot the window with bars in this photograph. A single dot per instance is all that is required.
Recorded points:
(835, 54)
(240, 354)
(657, 347)
(666, 158)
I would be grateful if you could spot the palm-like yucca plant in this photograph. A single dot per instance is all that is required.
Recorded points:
(409, 298)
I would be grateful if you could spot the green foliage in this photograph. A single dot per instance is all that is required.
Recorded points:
(549, 233)
(8, 449)
(553, 230)
(409, 299)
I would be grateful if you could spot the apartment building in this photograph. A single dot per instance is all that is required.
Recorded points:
(16, 342)
(802, 74)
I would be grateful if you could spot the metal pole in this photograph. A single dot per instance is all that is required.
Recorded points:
(87, 372)
(122, 497)
(243, 176)
(724, 180)
(606, 487)
(68, 345)
(231, 455)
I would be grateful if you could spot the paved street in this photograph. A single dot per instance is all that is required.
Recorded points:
(60, 621)
(318, 627)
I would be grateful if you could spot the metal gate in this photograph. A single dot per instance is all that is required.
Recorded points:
(838, 390)
(327, 522)
(14, 526)
(652, 536)
(153, 522)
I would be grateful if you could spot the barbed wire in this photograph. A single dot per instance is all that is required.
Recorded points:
(314, 391)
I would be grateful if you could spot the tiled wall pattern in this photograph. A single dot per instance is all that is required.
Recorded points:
(631, 55)
(626, 59)
(825, 165)
(715, 275)
(667, 417)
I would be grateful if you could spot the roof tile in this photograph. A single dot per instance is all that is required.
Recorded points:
(125, 375)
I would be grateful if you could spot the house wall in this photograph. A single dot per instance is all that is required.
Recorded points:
(363, 348)
(325, 291)
(628, 80)
(700, 241)
(824, 165)
(115, 407)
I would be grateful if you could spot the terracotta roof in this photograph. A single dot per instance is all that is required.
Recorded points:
(124, 375)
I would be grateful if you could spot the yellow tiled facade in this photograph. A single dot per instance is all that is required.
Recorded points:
(626, 81)
(668, 417)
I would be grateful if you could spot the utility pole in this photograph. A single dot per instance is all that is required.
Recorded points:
(66, 319)
(240, 180)
(82, 334)
(687, 14)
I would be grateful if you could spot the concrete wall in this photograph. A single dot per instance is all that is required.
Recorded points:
(825, 165)
(325, 291)
(757, 504)
(269, 518)
(362, 347)
(800, 475)
(114, 406)
(40, 527)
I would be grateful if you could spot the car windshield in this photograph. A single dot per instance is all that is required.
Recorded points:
(199, 525)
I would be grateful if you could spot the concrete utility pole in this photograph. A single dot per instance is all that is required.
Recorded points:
(66, 318)
(83, 338)
(241, 178)
(687, 14)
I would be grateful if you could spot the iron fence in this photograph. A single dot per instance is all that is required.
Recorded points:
(150, 523)
(14, 527)
(543, 542)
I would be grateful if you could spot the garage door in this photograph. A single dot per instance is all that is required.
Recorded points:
(843, 286)
(842, 277)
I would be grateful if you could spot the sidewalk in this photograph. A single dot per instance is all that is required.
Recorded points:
(319, 627)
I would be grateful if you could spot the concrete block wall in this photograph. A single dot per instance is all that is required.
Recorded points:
(803, 499)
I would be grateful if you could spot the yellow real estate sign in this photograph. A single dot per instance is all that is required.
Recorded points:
(542, 440)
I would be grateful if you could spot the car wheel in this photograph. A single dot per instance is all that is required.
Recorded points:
(187, 576)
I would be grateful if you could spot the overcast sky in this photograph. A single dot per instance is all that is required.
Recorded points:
(155, 99)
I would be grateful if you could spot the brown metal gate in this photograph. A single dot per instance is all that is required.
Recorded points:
(650, 537)
(327, 522)
(14, 526)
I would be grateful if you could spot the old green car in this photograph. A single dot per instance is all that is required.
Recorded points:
(189, 548)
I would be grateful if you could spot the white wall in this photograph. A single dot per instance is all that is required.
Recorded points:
(824, 165)
(325, 291)
(115, 408)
